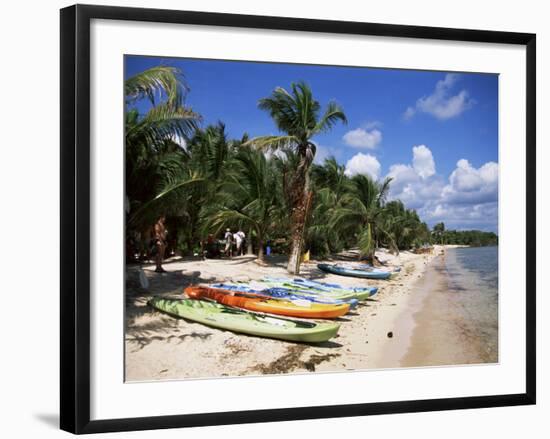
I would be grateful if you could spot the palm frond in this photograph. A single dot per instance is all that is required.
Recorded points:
(272, 143)
(333, 114)
(365, 241)
(175, 186)
(156, 82)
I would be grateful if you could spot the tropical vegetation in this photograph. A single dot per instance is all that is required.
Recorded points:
(203, 182)
(472, 238)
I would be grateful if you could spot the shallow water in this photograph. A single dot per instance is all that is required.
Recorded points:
(457, 320)
(472, 278)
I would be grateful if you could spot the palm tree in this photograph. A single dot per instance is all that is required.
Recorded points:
(439, 230)
(156, 172)
(331, 184)
(298, 115)
(402, 225)
(247, 199)
(360, 212)
(331, 175)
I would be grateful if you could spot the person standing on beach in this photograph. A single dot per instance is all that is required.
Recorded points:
(159, 234)
(228, 243)
(239, 240)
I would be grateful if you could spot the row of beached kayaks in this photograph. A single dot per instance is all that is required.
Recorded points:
(245, 322)
(281, 308)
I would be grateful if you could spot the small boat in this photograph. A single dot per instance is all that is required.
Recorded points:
(383, 268)
(337, 293)
(354, 272)
(295, 308)
(285, 294)
(325, 286)
(246, 322)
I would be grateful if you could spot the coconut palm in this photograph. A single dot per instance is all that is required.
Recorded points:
(331, 184)
(402, 225)
(247, 199)
(331, 175)
(321, 238)
(439, 231)
(360, 213)
(156, 171)
(298, 116)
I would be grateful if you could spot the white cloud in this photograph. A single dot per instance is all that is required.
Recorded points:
(363, 138)
(467, 199)
(482, 216)
(402, 174)
(363, 164)
(441, 103)
(469, 185)
(412, 183)
(423, 161)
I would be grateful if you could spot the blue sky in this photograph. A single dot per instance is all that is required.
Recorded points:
(434, 133)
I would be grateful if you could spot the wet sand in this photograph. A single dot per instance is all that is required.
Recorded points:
(439, 334)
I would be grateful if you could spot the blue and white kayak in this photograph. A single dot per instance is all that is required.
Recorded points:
(369, 266)
(321, 286)
(286, 294)
(353, 272)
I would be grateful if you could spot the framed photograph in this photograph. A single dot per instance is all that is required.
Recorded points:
(268, 219)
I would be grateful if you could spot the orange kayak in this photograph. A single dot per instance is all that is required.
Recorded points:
(259, 303)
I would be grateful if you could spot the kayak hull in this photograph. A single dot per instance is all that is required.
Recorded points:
(341, 271)
(284, 293)
(262, 304)
(222, 317)
(341, 293)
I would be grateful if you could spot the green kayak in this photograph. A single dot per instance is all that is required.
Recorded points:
(246, 322)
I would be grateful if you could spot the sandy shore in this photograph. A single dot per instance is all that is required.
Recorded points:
(377, 334)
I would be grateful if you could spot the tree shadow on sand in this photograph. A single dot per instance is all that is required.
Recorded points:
(159, 327)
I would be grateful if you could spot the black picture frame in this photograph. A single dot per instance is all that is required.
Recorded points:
(75, 218)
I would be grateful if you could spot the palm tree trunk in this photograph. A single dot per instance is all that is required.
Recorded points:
(295, 253)
(249, 247)
(260, 248)
(299, 218)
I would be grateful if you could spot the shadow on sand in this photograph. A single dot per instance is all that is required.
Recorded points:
(162, 327)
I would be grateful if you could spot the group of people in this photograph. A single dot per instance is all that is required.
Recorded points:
(234, 240)
(234, 244)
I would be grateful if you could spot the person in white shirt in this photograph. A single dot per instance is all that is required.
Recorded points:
(239, 240)
(228, 243)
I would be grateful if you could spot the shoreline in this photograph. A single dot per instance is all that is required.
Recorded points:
(159, 347)
(438, 335)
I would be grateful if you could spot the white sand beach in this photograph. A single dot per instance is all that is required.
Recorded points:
(376, 334)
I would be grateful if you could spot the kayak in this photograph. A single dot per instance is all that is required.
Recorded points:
(325, 287)
(245, 322)
(344, 271)
(337, 293)
(295, 308)
(340, 295)
(370, 267)
(285, 294)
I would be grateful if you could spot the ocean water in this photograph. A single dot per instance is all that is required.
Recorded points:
(472, 291)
